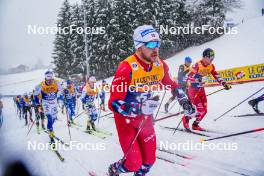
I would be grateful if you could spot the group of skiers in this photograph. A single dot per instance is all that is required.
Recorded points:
(133, 107)
(47, 96)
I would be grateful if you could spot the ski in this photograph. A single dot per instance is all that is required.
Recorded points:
(58, 155)
(92, 173)
(101, 136)
(185, 130)
(176, 154)
(247, 115)
(76, 124)
(58, 139)
(103, 132)
(170, 161)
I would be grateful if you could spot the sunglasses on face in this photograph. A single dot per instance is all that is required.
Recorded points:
(152, 44)
(211, 58)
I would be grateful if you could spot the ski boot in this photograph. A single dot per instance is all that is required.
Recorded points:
(38, 129)
(43, 126)
(88, 129)
(254, 104)
(143, 170)
(195, 126)
(52, 140)
(93, 125)
(116, 168)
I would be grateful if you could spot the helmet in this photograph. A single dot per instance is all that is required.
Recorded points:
(103, 81)
(188, 59)
(49, 75)
(208, 53)
(92, 79)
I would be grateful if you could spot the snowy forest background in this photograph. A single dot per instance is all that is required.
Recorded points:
(119, 18)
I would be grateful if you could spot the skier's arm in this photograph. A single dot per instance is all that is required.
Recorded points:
(219, 79)
(37, 93)
(216, 75)
(121, 80)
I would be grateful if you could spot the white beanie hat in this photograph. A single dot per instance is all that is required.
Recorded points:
(143, 34)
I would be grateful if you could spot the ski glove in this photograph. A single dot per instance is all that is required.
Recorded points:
(187, 106)
(134, 109)
(226, 86)
(150, 105)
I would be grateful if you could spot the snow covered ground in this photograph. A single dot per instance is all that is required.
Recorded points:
(245, 48)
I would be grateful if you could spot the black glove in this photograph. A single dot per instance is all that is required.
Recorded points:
(226, 86)
(188, 108)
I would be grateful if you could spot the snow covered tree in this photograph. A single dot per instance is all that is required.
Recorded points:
(62, 55)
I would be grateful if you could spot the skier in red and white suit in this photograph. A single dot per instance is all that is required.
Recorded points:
(132, 103)
(197, 77)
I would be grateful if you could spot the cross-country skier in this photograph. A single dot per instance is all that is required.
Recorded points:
(197, 77)
(39, 114)
(69, 94)
(254, 103)
(20, 106)
(17, 104)
(48, 90)
(133, 102)
(27, 108)
(89, 94)
(183, 71)
(102, 95)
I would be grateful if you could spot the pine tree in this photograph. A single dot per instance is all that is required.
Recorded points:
(77, 43)
(62, 54)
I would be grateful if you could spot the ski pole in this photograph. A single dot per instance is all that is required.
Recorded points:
(78, 115)
(106, 114)
(160, 104)
(234, 134)
(67, 115)
(172, 105)
(215, 92)
(169, 116)
(134, 139)
(99, 113)
(238, 104)
(31, 127)
(178, 123)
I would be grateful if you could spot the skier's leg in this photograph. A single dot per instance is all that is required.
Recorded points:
(201, 106)
(147, 144)
(193, 97)
(126, 133)
(25, 115)
(30, 114)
